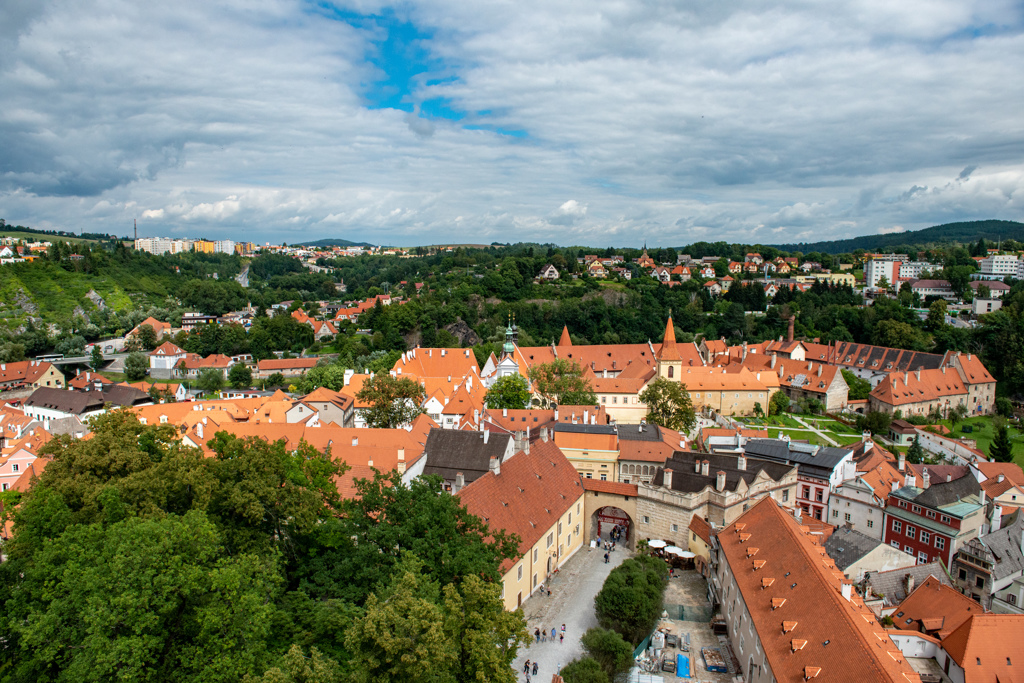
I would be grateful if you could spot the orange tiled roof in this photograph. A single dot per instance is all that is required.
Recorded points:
(286, 363)
(615, 487)
(531, 493)
(27, 371)
(843, 637)
(903, 388)
(701, 528)
(987, 646)
(941, 609)
(1009, 470)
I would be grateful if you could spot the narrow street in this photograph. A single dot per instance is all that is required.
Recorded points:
(571, 603)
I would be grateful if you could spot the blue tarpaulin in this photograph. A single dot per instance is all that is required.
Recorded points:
(683, 666)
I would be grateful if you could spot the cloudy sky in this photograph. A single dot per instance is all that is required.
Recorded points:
(602, 122)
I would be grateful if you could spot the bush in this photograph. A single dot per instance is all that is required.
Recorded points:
(1004, 407)
(608, 648)
(136, 365)
(630, 600)
(584, 670)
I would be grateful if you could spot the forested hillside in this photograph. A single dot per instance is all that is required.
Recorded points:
(948, 233)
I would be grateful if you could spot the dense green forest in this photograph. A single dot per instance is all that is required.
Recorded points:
(137, 559)
(900, 242)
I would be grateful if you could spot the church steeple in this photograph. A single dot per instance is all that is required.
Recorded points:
(510, 339)
(565, 340)
(670, 361)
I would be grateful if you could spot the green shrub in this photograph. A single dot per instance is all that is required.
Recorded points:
(613, 653)
(630, 600)
(584, 670)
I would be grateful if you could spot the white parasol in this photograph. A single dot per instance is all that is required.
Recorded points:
(675, 550)
(657, 544)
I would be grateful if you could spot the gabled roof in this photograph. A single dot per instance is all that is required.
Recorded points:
(839, 639)
(915, 387)
(71, 402)
(934, 608)
(451, 451)
(892, 585)
(167, 349)
(27, 371)
(529, 495)
(847, 546)
(687, 478)
(614, 487)
(287, 363)
(700, 527)
(987, 648)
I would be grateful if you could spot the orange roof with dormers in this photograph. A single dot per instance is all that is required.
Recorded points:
(420, 363)
(987, 648)
(167, 349)
(939, 608)
(844, 639)
(920, 385)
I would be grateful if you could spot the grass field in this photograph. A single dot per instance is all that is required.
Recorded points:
(36, 237)
(774, 421)
(984, 432)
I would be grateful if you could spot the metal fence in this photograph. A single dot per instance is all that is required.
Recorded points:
(689, 613)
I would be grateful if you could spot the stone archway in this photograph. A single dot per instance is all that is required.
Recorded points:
(606, 518)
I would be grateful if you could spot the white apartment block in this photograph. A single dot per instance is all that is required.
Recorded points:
(224, 247)
(162, 245)
(998, 266)
(913, 269)
(879, 267)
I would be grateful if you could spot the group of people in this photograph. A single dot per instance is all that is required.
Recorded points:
(530, 668)
(542, 634)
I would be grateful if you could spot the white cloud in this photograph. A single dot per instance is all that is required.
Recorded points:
(665, 122)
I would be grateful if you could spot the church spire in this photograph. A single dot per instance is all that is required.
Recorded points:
(565, 340)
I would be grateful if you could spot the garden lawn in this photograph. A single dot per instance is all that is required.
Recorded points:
(984, 432)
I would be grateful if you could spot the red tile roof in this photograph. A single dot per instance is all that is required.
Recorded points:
(843, 637)
(529, 495)
(987, 647)
(939, 608)
(701, 528)
(286, 363)
(615, 487)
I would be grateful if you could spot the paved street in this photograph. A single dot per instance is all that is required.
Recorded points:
(571, 603)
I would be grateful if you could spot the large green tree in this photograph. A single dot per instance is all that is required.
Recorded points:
(240, 376)
(210, 380)
(1001, 449)
(608, 647)
(136, 365)
(631, 598)
(562, 382)
(392, 401)
(584, 670)
(510, 391)
(915, 454)
(859, 389)
(669, 405)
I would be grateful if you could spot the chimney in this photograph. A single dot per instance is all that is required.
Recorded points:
(1000, 478)
(981, 496)
(199, 429)
(790, 330)
(593, 419)
(903, 462)
(556, 413)
(910, 480)
(910, 583)
(544, 434)
(460, 482)
(819, 369)
(504, 412)
(586, 417)
(495, 466)
(668, 478)
(696, 466)
(997, 514)
(744, 352)
(355, 440)
(906, 378)
(487, 434)
(741, 463)
(918, 374)
(720, 480)
(895, 485)
(775, 359)
(847, 591)
(705, 468)
(925, 479)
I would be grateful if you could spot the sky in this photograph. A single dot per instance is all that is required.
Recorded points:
(604, 122)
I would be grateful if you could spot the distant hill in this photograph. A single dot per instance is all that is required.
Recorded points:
(334, 243)
(963, 232)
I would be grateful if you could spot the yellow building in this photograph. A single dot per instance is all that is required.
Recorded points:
(31, 373)
(204, 246)
(538, 495)
(832, 278)
(592, 449)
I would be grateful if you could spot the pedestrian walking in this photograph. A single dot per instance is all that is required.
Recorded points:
(606, 558)
(552, 633)
(535, 668)
(536, 633)
(563, 629)
(549, 592)
(526, 667)
(544, 635)
(542, 590)
(561, 638)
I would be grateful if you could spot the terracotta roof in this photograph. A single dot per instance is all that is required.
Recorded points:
(529, 495)
(843, 638)
(27, 371)
(84, 379)
(618, 488)
(668, 344)
(974, 369)
(934, 608)
(437, 362)
(903, 388)
(287, 363)
(701, 528)
(1009, 470)
(987, 647)
(565, 340)
(167, 349)
(159, 327)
